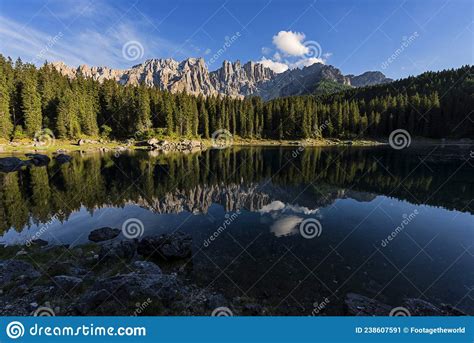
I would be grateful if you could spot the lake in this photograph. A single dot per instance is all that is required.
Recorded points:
(292, 227)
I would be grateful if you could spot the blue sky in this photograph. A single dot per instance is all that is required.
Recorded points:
(400, 38)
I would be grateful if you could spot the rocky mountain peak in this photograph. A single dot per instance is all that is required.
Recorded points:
(369, 78)
(232, 78)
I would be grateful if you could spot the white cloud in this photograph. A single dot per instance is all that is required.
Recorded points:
(266, 50)
(277, 67)
(306, 62)
(88, 40)
(279, 206)
(290, 43)
(294, 52)
(276, 205)
(285, 226)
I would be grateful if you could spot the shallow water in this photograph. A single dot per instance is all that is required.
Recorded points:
(247, 208)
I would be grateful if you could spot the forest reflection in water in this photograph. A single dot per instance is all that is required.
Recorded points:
(192, 182)
(360, 195)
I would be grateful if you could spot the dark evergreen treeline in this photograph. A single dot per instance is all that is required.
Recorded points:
(200, 179)
(430, 105)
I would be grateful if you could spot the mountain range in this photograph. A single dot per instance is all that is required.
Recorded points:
(232, 78)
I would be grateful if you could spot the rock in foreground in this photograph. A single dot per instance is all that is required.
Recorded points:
(12, 270)
(359, 305)
(174, 246)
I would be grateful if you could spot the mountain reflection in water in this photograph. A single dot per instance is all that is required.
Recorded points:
(360, 196)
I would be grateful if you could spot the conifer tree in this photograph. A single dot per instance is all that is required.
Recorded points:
(31, 104)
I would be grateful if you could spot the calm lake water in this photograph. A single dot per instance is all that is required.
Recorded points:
(253, 202)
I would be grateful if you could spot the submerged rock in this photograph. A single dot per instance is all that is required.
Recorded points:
(38, 159)
(66, 283)
(9, 164)
(103, 234)
(39, 242)
(419, 307)
(143, 283)
(359, 305)
(124, 250)
(62, 158)
(146, 267)
(176, 245)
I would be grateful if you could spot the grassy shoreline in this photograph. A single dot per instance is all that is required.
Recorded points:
(66, 146)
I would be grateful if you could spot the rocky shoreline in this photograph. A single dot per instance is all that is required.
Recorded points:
(11, 164)
(108, 277)
(92, 145)
(123, 277)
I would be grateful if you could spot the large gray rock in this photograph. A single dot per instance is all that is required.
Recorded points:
(176, 245)
(103, 234)
(146, 267)
(146, 281)
(13, 270)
